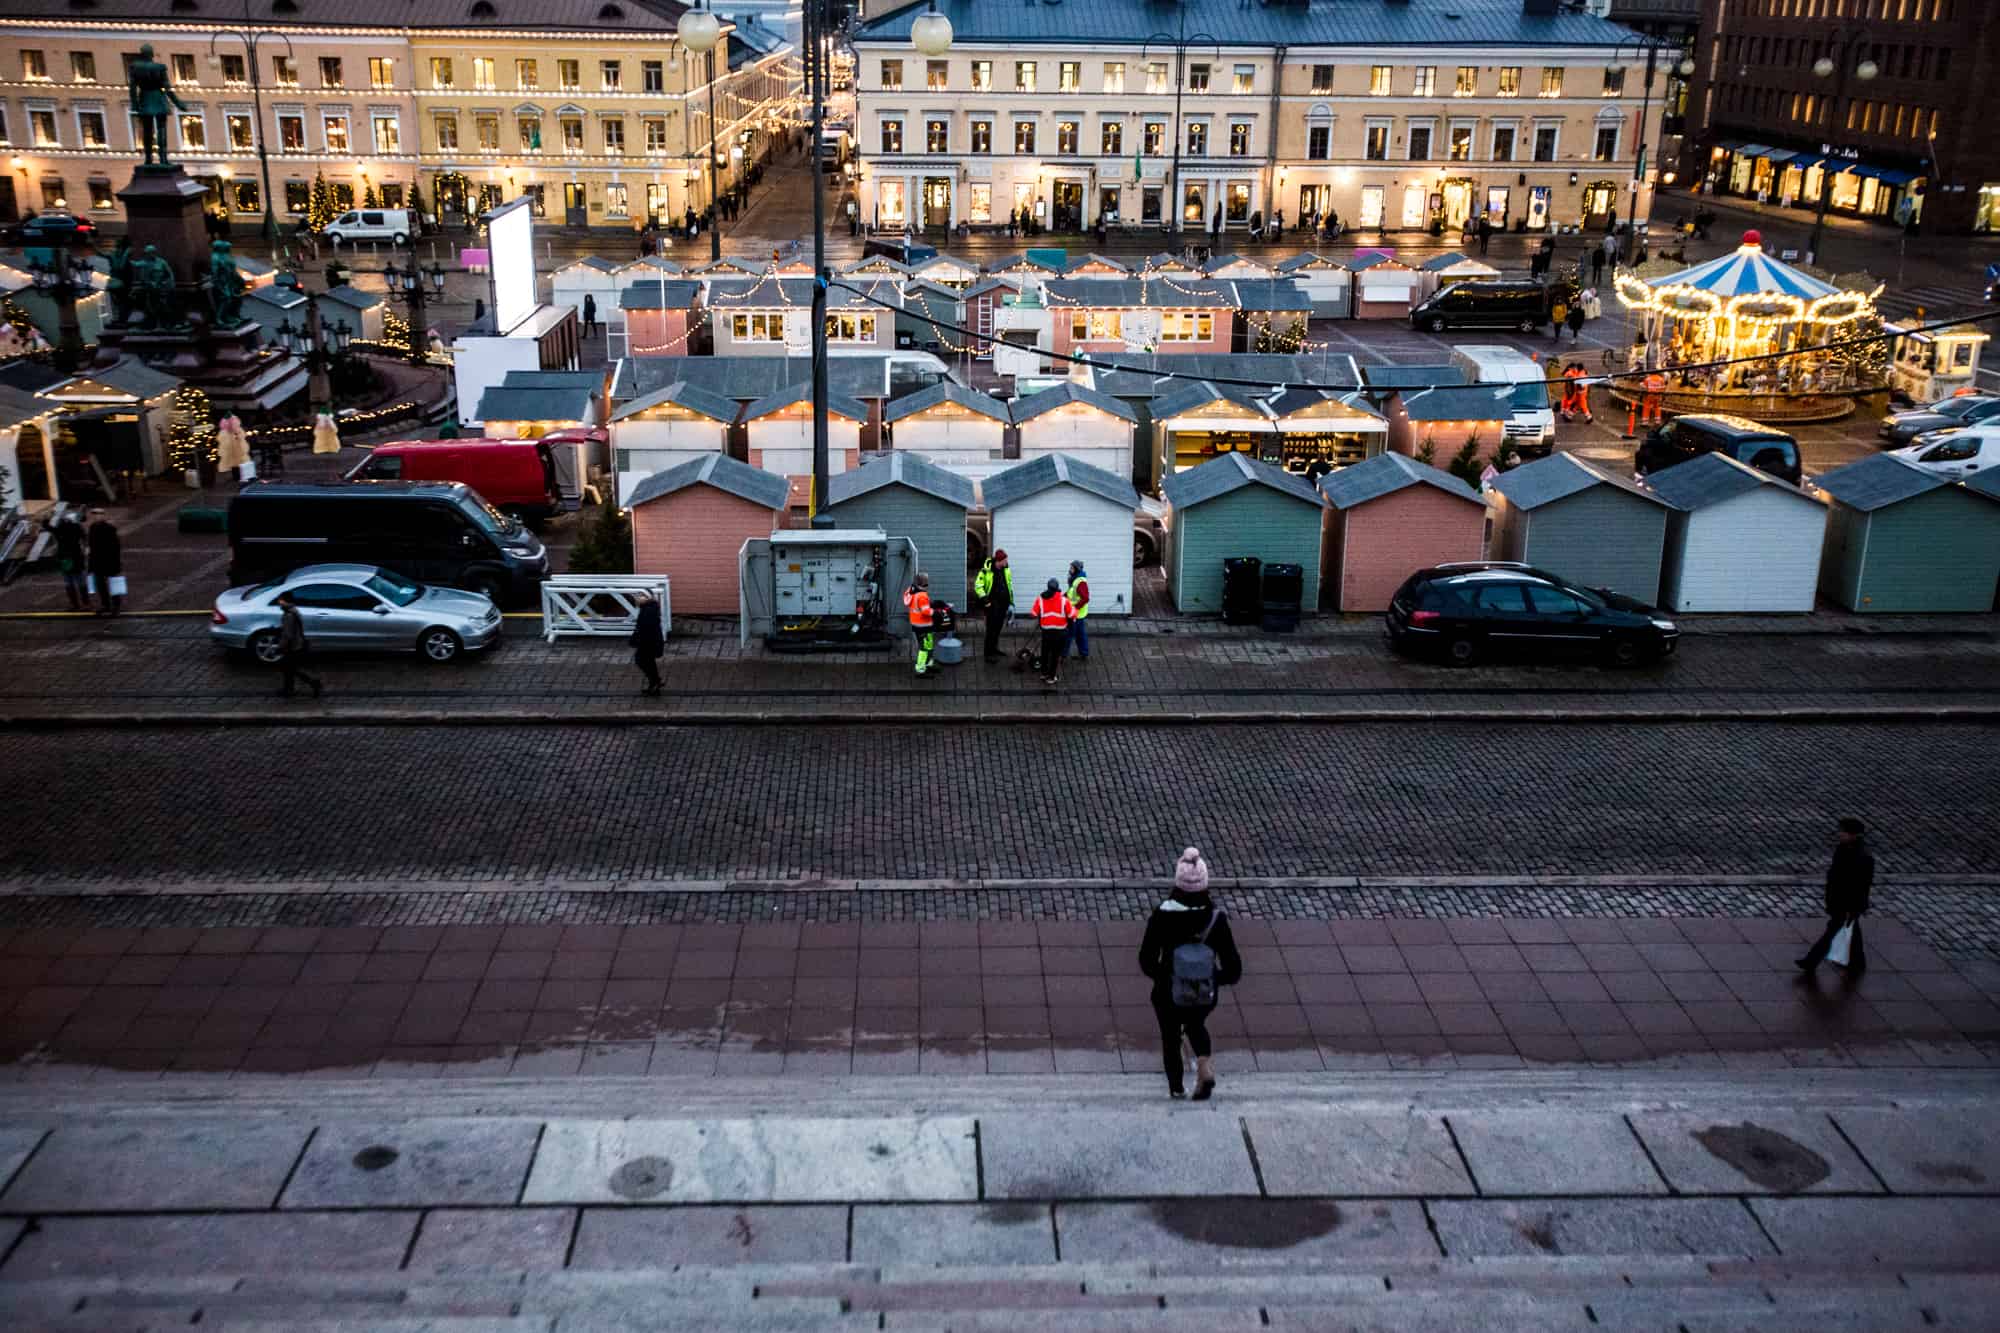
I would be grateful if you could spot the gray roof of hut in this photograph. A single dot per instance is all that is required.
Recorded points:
(1271, 294)
(750, 378)
(1385, 474)
(851, 408)
(682, 394)
(945, 391)
(1878, 481)
(1051, 470)
(759, 487)
(1232, 472)
(672, 294)
(1560, 476)
(899, 468)
(1709, 479)
(1029, 406)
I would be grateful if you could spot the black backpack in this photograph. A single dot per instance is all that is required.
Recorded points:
(1193, 983)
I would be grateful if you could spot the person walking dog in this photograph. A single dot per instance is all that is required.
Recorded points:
(1849, 878)
(292, 646)
(1190, 955)
(649, 642)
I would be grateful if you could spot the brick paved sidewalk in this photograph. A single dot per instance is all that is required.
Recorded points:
(970, 997)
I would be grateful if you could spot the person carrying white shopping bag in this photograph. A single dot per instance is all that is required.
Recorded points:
(1849, 878)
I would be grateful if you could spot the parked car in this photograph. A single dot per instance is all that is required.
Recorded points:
(1480, 608)
(1484, 305)
(1763, 447)
(1957, 453)
(432, 532)
(393, 226)
(51, 228)
(517, 477)
(357, 608)
(1901, 428)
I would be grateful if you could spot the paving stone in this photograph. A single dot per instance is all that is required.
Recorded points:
(1356, 1153)
(492, 1240)
(1090, 1155)
(776, 1159)
(421, 1163)
(1760, 1152)
(157, 1165)
(1553, 1152)
(658, 1237)
(1921, 1150)
(192, 1244)
(1477, 1227)
(953, 1234)
(1172, 1231)
(1930, 1232)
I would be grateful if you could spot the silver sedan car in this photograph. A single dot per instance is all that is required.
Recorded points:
(357, 607)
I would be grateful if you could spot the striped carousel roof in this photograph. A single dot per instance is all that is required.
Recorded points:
(1747, 271)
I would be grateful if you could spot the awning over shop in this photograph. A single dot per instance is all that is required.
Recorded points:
(1730, 146)
(1887, 175)
(1754, 149)
(1780, 154)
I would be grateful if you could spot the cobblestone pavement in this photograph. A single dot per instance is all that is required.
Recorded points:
(66, 668)
(971, 997)
(273, 806)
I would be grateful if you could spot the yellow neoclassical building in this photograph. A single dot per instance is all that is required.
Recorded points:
(1390, 114)
(592, 107)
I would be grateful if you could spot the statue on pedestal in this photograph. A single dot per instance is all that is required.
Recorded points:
(152, 94)
(225, 286)
(119, 286)
(153, 291)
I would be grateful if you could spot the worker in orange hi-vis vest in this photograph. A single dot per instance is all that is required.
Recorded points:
(1655, 399)
(1052, 613)
(918, 599)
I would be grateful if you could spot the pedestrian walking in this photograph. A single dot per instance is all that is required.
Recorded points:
(106, 557)
(1575, 320)
(1597, 258)
(993, 593)
(292, 646)
(1051, 612)
(1849, 878)
(1558, 313)
(589, 314)
(1078, 593)
(649, 642)
(917, 597)
(1190, 955)
(1485, 234)
(71, 559)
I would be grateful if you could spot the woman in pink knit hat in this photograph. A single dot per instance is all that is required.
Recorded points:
(1190, 954)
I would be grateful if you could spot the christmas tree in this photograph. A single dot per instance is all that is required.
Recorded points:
(395, 332)
(190, 430)
(417, 202)
(319, 205)
(368, 199)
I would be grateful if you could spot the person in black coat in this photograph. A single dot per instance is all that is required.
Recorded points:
(107, 563)
(1849, 878)
(71, 560)
(649, 642)
(1183, 918)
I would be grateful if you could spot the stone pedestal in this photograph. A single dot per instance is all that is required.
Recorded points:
(163, 208)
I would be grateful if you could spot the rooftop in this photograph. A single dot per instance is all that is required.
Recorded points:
(1232, 472)
(1385, 474)
(720, 471)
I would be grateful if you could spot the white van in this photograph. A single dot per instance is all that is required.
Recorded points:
(1532, 426)
(391, 225)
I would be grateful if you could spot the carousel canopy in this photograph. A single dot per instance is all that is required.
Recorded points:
(1749, 271)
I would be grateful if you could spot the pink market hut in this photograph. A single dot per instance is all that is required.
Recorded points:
(1743, 306)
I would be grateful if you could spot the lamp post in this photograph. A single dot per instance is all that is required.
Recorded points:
(1684, 67)
(60, 281)
(416, 285)
(701, 32)
(1837, 67)
(309, 341)
(251, 39)
(1180, 40)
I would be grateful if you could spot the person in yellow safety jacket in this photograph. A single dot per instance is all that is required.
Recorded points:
(1079, 607)
(918, 599)
(993, 592)
(1656, 390)
(1053, 614)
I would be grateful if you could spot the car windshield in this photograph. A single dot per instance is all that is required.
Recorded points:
(1957, 407)
(487, 518)
(393, 587)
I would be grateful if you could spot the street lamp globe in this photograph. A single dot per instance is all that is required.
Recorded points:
(931, 33)
(1866, 70)
(1685, 68)
(1823, 66)
(699, 30)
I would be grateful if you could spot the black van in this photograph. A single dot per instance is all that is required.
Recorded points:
(1484, 305)
(431, 531)
(1769, 451)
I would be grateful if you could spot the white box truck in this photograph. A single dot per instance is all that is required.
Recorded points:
(1532, 426)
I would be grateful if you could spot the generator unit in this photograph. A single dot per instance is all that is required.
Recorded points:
(830, 588)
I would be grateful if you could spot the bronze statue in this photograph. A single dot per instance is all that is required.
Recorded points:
(225, 286)
(119, 285)
(153, 286)
(152, 93)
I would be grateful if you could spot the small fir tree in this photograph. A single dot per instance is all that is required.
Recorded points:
(190, 430)
(1465, 463)
(368, 196)
(319, 204)
(605, 544)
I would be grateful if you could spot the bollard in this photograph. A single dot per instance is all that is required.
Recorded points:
(1631, 420)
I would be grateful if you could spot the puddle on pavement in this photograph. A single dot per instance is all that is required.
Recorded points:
(375, 1157)
(1772, 1160)
(1272, 1226)
(642, 1178)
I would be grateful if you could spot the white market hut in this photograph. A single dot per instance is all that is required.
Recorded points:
(1054, 509)
(952, 426)
(666, 428)
(590, 276)
(946, 271)
(1738, 539)
(1445, 269)
(1236, 266)
(779, 432)
(1384, 288)
(1068, 418)
(1323, 280)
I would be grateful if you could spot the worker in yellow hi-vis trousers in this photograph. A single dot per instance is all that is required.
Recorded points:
(918, 600)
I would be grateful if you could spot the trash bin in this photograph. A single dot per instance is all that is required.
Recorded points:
(1242, 590)
(1284, 590)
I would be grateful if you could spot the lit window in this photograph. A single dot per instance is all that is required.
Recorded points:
(183, 64)
(1614, 81)
(982, 136)
(1024, 76)
(1376, 143)
(440, 71)
(238, 125)
(1379, 80)
(194, 132)
(1069, 76)
(572, 133)
(1510, 80)
(937, 136)
(447, 131)
(760, 328)
(1197, 138)
(34, 67)
(892, 74)
(388, 134)
(335, 128)
(1156, 77)
(1461, 143)
(569, 74)
(1114, 76)
(83, 67)
(529, 129)
(291, 133)
(892, 136)
(1156, 137)
(1552, 81)
(614, 134)
(617, 200)
(1426, 81)
(1197, 78)
(330, 75)
(1322, 78)
(284, 71)
(487, 128)
(610, 75)
(849, 328)
(1246, 79)
(483, 73)
(982, 76)
(42, 124)
(527, 74)
(1066, 138)
(937, 75)
(1468, 81)
(1113, 138)
(1024, 136)
(1239, 140)
(1096, 326)
(1186, 326)
(381, 72)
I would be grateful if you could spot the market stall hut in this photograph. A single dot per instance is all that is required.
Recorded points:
(1236, 506)
(1069, 418)
(1443, 270)
(952, 426)
(690, 522)
(661, 318)
(1325, 282)
(1055, 509)
(778, 433)
(904, 496)
(1383, 287)
(1737, 539)
(1388, 517)
(676, 424)
(1900, 537)
(1582, 522)
(590, 276)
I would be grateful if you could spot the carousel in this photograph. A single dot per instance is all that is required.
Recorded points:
(1695, 321)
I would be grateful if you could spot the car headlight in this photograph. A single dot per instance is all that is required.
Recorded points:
(1666, 625)
(525, 552)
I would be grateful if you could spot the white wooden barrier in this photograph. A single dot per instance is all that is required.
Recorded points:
(567, 603)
